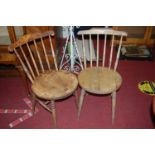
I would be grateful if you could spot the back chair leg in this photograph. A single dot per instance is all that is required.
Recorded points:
(113, 105)
(53, 110)
(76, 98)
(33, 103)
(83, 92)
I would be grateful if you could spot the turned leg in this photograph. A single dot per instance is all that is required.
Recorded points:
(53, 110)
(81, 101)
(113, 106)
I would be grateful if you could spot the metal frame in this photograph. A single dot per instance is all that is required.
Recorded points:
(71, 61)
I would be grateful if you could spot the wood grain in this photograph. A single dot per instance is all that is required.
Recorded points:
(55, 85)
(99, 80)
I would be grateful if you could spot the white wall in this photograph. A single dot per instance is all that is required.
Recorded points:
(62, 31)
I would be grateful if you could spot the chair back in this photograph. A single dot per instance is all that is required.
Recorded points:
(104, 40)
(33, 53)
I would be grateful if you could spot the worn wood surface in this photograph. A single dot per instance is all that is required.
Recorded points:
(99, 80)
(55, 85)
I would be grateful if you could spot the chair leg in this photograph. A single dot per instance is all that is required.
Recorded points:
(113, 106)
(81, 101)
(53, 110)
(76, 98)
(33, 103)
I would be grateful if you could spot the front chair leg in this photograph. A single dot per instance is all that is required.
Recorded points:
(53, 110)
(113, 105)
(81, 101)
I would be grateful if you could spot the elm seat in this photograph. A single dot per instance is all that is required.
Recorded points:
(100, 80)
(54, 85)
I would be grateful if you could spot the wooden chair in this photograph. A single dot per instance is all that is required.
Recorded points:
(40, 65)
(100, 77)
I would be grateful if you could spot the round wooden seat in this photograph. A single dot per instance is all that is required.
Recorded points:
(99, 80)
(54, 85)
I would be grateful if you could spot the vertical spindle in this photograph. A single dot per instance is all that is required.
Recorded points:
(32, 58)
(45, 52)
(104, 50)
(53, 54)
(97, 58)
(84, 51)
(24, 66)
(111, 51)
(90, 47)
(27, 62)
(38, 54)
(118, 53)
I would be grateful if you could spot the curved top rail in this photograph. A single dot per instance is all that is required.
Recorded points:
(107, 31)
(28, 38)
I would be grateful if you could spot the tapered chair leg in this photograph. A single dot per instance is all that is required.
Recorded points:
(83, 92)
(113, 106)
(53, 110)
(76, 98)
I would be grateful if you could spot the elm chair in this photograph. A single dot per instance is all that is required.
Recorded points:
(36, 54)
(99, 76)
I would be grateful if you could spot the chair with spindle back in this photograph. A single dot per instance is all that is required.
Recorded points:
(36, 54)
(100, 77)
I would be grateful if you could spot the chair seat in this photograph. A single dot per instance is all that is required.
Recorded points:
(54, 85)
(99, 80)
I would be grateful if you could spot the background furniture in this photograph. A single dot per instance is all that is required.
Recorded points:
(36, 55)
(139, 35)
(8, 35)
(9, 65)
(7, 59)
(101, 77)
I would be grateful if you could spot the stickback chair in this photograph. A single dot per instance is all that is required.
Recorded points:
(47, 82)
(99, 77)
